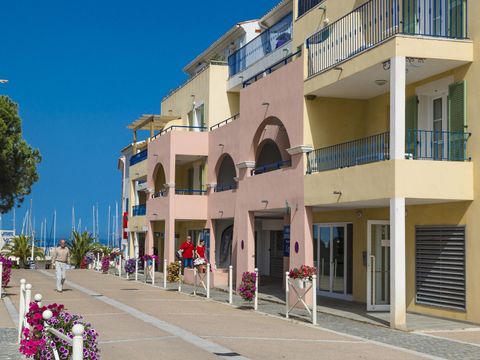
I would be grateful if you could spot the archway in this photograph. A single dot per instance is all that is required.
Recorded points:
(159, 181)
(226, 173)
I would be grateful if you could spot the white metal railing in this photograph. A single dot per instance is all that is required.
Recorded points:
(76, 343)
(204, 280)
(306, 286)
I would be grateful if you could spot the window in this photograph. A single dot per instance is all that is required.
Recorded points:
(440, 266)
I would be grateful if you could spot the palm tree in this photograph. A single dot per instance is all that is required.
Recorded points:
(21, 248)
(81, 244)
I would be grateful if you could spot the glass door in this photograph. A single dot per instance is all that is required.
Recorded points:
(331, 259)
(378, 266)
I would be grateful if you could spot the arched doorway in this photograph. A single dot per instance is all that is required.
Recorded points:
(159, 181)
(226, 173)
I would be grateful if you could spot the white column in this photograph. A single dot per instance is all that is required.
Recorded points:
(397, 264)
(397, 107)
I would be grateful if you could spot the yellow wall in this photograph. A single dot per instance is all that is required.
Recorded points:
(182, 227)
(450, 214)
(181, 174)
(209, 87)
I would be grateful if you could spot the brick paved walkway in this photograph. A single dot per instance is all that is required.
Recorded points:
(137, 320)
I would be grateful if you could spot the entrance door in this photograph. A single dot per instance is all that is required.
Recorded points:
(378, 266)
(276, 254)
(331, 259)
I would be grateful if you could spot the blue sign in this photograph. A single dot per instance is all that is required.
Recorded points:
(286, 241)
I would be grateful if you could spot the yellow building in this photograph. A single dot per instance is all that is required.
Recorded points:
(367, 111)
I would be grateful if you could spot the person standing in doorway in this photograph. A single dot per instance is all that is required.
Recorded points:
(60, 260)
(187, 252)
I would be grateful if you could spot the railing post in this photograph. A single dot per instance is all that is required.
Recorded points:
(230, 284)
(38, 299)
(136, 269)
(164, 273)
(208, 281)
(145, 270)
(98, 262)
(180, 277)
(255, 304)
(77, 342)
(195, 281)
(314, 300)
(120, 267)
(28, 297)
(153, 272)
(287, 294)
(21, 308)
(1, 282)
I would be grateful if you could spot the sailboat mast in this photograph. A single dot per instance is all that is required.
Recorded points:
(54, 227)
(116, 223)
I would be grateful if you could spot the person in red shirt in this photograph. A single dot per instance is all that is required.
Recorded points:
(187, 252)
(200, 250)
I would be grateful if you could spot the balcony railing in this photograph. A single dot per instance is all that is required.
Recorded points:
(225, 187)
(306, 5)
(224, 122)
(271, 68)
(264, 44)
(139, 210)
(181, 127)
(362, 151)
(141, 156)
(190, 192)
(271, 167)
(379, 20)
(161, 193)
(419, 145)
(437, 145)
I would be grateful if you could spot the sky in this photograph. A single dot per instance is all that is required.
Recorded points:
(81, 71)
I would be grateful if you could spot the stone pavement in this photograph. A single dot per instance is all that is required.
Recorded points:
(137, 320)
(8, 334)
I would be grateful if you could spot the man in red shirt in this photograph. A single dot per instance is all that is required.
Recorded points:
(187, 252)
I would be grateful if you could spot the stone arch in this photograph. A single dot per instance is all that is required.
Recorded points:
(159, 180)
(226, 173)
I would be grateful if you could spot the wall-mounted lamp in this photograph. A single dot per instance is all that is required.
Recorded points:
(265, 202)
(265, 104)
(359, 214)
(311, 97)
(337, 192)
(221, 145)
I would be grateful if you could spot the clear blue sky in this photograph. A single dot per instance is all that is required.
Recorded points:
(82, 70)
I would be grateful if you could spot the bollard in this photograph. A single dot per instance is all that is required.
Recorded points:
(180, 277)
(153, 272)
(164, 273)
(287, 295)
(1, 282)
(230, 284)
(98, 262)
(136, 269)
(28, 298)
(195, 272)
(120, 267)
(255, 304)
(208, 281)
(314, 302)
(21, 308)
(38, 299)
(145, 271)
(77, 342)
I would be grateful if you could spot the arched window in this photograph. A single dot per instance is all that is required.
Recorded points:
(159, 179)
(226, 174)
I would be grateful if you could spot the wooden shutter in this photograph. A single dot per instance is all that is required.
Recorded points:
(440, 266)
(457, 120)
(411, 120)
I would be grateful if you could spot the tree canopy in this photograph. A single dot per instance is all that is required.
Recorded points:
(18, 161)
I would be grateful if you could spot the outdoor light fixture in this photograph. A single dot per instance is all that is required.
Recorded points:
(265, 201)
(337, 192)
(380, 82)
(265, 104)
(338, 68)
(221, 145)
(310, 97)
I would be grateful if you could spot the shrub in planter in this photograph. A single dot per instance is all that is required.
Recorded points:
(38, 343)
(247, 287)
(304, 272)
(7, 270)
(130, 266)
(173, 272)
(105, 264)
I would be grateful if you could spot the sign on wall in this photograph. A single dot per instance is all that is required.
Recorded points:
(286, 241)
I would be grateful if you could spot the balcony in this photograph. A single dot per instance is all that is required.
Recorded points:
(271, 167)
(137, 158)
(139, 210)
(190, 192)
(268, 48)
(224, 122)
(376, 21)
(225, 187)
(306, 5)
(180, 128)
(419, 145)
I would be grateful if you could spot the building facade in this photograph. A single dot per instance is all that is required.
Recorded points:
(338, 134)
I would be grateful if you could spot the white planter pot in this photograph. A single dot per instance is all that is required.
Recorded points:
(300, 283)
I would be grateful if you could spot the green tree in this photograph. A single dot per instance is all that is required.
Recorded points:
(18, 161)
(81, 244)
(21, 248)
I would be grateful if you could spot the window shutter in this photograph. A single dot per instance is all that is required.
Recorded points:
(411, 120)
(457, 120)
